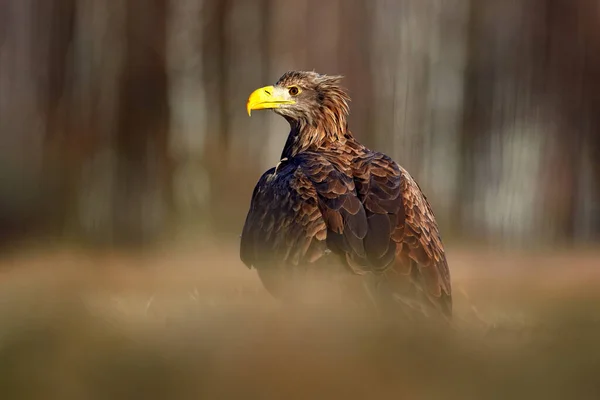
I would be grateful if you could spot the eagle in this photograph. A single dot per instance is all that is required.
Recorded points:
(337, 217)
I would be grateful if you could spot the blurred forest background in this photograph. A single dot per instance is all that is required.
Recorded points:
(123, 120)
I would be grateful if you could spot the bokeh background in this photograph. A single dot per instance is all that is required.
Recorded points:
(127, 162)
(120, 119)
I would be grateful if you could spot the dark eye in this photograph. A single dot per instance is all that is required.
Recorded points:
(294, 91)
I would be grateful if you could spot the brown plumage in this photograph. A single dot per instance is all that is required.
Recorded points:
(334, 209)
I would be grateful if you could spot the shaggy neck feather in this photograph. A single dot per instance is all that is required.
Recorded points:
(326, 126)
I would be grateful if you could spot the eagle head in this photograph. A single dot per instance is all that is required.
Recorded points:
(303, 96)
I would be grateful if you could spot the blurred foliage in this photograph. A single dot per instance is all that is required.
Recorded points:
(122, 121)
(193, 324)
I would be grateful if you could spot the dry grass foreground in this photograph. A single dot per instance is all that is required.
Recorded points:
(191, 322)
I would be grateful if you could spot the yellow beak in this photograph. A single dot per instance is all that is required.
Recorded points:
(268, 97)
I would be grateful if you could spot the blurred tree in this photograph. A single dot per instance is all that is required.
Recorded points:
(107, 136)
(528, 137)
(143, 181)
(189, 108)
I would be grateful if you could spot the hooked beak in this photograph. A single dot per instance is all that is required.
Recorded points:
(268, 97)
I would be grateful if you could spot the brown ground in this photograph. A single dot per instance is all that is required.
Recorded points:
(192, 322)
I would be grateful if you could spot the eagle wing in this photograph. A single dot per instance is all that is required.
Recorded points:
(376, 218)
(403, 238)
(296, 211)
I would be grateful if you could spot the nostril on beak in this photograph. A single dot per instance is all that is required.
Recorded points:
(268, 92)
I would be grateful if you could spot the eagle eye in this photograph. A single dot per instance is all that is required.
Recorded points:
(294, 90)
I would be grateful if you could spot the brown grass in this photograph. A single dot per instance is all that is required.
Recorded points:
(190, 322)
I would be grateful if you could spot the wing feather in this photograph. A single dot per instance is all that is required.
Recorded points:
(283, 221)
(373, 215)
(306, 202)
(390, 194)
